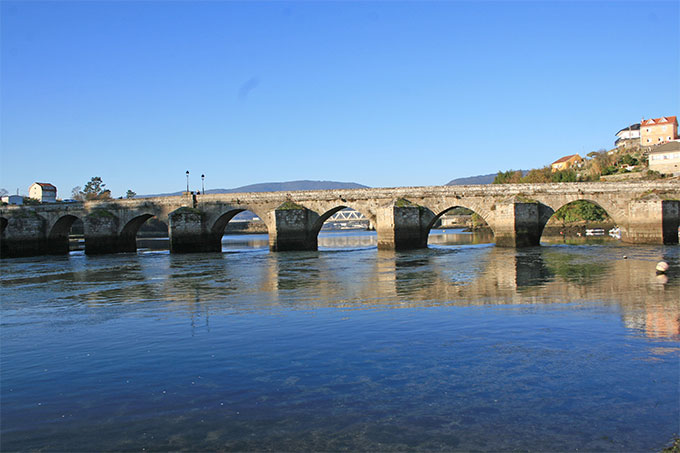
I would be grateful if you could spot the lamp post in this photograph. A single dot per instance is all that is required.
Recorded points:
(203, 184)
(187, 181)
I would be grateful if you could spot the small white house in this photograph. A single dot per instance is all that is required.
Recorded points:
(43, 192)
(13, 199)
(666, 158)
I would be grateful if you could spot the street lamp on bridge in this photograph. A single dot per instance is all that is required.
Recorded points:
(203, 184)
(187, 181)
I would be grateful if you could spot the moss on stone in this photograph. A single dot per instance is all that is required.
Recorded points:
(25, 214)
(100, 214)
(522, 198)
(656, 194)
(289, 206)
(404, 203)
(186, 211)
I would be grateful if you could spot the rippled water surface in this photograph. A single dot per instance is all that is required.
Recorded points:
(462, 346)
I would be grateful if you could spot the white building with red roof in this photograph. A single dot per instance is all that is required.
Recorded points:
(43, 192)
(655, 131)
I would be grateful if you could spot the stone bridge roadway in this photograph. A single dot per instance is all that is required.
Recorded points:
(646, 212)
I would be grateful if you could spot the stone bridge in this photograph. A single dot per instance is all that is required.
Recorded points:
(646, 212)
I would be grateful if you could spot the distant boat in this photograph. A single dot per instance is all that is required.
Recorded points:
(595, 232)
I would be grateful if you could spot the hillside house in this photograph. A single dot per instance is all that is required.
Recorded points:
(666, 158)
(628, 136)
(565, 162)
(43, 192)
(656, 131)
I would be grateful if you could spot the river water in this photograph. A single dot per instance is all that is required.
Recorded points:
(462, 346)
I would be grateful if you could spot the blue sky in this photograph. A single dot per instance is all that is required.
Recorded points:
(379, 93)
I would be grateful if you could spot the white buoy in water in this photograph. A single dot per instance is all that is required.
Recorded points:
(662, 267)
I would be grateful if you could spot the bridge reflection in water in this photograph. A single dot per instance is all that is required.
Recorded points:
(327, 240)
(565, 343)
(440, 275)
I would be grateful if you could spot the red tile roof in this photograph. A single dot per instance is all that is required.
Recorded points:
(662, 120)
(47, 186)
(566, 158)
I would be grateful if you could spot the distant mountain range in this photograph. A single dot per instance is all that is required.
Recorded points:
(276, 187)
(321, 185)
(480, 179)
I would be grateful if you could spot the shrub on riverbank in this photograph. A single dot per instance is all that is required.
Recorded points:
(581, 210)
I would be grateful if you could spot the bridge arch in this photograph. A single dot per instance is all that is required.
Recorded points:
(219, 225)
(472, 207)
(3, 245)
(133, 225)
(586, 209)
(58, 234)
(552, 204)
(127, 237)
(221, 222)
(343, 213)
(62, 226)
(296, 225)
(330, 212)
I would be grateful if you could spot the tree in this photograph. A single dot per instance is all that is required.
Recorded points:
(130, 194)
(538, 175)
(3, 192)
(94, 190)
(629, 160)
(76, 193)
(563, 176)
(31, 201)
(508, 177)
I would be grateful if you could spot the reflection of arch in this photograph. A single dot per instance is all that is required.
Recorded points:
(474, 211)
